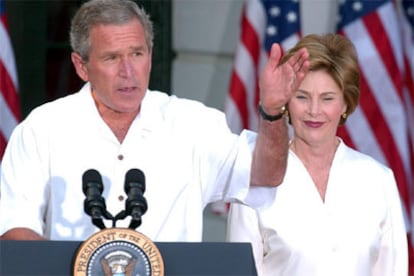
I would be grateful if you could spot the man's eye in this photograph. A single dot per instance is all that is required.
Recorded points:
(110, 58)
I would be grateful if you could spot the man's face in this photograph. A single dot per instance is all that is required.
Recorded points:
(118, 68)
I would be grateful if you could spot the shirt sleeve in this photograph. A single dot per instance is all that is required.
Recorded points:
(393, 251)
(243, 226)
(22, 201)
(237, 180)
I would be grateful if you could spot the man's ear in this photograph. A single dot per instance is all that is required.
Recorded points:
(80, 66)
(150, 60)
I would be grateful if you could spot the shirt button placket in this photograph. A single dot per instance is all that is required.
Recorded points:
(121, 196)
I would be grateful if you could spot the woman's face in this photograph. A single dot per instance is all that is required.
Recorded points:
(316, 108)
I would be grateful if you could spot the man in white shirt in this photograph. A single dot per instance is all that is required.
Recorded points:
(115, 123)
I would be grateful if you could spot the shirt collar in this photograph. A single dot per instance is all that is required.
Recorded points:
(148, 119)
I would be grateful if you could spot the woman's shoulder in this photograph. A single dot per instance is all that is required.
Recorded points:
(352, 157)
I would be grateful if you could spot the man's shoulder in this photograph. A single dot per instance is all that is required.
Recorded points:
(169, 103)
(69, 106)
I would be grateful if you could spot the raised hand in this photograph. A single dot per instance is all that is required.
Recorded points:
(278, 82)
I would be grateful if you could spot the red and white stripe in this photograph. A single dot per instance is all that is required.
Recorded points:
(407, 32)
(9, 98)
(381, 114)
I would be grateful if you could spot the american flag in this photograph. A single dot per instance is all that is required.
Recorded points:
(406, 20)
(9, 98)
(406, 15)
(263, 22)
(380, 125)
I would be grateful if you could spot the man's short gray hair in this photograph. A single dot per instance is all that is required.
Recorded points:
(107, 12)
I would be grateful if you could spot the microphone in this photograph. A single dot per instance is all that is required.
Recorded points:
(135, 204)
(94, 204)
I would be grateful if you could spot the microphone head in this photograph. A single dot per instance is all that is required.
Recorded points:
(134, 176)
(92, 176)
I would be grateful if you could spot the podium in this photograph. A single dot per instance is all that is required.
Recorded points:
(180, 258)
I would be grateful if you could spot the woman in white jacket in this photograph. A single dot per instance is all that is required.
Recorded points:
(337, 211)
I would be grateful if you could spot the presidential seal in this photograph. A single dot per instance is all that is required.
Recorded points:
(118, 252)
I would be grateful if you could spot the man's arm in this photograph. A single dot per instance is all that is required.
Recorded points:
(21, 234)
(277, 85)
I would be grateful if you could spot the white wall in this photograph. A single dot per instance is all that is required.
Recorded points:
(205, 36)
